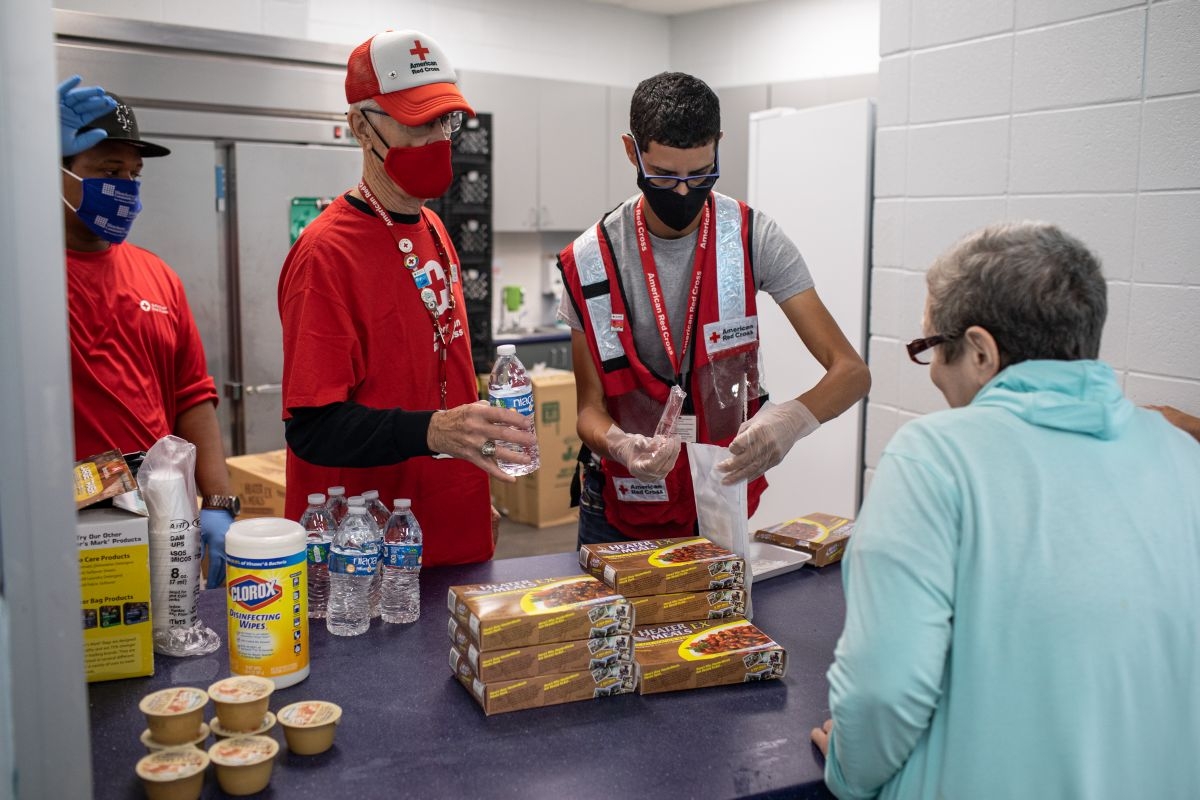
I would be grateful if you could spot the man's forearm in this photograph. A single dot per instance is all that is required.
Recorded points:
(199, 426)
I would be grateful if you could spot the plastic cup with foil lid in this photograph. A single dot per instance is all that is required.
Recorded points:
(244, 763)
(241, 701)
(267, 722)
(174, 715)
(309, 726)
(176, 773)
(153, 746)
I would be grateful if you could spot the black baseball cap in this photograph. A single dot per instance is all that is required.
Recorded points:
(121, 126)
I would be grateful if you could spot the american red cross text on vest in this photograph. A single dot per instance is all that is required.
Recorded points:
(418, 51)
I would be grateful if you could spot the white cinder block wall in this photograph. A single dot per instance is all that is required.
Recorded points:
(1085, 113)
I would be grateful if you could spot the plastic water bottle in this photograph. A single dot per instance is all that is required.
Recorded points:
(360, 501)
(510, 387)
(337, 503)
(378, 513)
(319, 526)
(375, 507)
(401, 562)
(353, 559)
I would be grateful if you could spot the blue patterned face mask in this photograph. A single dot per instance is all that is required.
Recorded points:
(109, 206)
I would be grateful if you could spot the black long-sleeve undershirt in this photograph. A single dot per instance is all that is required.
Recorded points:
(351, 435)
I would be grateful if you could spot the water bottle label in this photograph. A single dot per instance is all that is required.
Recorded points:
(342, 564)
(407, 556)
(318, 552)
(519, 399)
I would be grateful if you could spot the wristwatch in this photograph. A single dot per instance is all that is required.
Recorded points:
(225, 502)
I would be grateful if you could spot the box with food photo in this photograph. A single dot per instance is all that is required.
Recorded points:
(497, 697)
(508, 663)
(690, 655)
(661, 566)
(540, 611)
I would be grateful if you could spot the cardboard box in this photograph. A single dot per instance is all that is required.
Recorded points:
(259, 481)
(544, 497)
(509, 663)
(497, 697)
(114, 578)
(522, 613)
(690, 655)
(662, 609)
(661, 566)
(822, 535)
(100, 477)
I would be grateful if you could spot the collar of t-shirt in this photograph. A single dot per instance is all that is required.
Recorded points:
(397, 217)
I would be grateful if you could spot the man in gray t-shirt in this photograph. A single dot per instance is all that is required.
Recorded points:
(650, 308)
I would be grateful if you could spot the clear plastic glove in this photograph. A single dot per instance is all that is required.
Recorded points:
(79, 106)
(214, 524)
(764, 439)
(647, 459)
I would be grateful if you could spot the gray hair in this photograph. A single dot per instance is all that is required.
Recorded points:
(1038, 291)
(365, 105)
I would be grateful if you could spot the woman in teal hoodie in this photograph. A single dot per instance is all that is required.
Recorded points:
(1023, 588)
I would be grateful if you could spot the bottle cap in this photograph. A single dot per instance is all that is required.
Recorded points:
(506, 350)
(316, 499)
(335, 491)
(370, 494)
(403, 502)
(358, 509)
(357, 500)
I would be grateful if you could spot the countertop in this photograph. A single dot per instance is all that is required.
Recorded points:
(409, 728)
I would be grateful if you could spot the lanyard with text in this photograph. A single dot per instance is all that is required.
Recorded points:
(650, 270)
(443, 328)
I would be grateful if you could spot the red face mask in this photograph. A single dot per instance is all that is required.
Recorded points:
(423, 172)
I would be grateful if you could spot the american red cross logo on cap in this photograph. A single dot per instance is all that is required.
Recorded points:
(714, 337)
(418, 50)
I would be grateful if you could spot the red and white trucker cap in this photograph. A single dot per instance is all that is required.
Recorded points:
(408, 74)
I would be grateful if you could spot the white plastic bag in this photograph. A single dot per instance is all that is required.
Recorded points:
(168, 485)
(721, 509)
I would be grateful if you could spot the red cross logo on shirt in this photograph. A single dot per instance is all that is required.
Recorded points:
(437, 282)
(714, 337)
(623, 489)
(418, 50)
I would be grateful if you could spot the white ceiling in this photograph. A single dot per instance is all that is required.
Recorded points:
(668, 7)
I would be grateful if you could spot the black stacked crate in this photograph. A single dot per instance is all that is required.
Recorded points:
(466, 210)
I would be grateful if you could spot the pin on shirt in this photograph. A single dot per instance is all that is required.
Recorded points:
(405, 245)
(429, 298)
(412, 260)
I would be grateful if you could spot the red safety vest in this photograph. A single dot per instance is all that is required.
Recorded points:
(724, 352)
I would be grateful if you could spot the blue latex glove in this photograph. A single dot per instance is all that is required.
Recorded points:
(78, 107)
(214, 524)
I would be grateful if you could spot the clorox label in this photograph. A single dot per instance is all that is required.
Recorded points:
(267, 608)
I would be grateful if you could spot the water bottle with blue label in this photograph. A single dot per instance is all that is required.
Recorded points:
(353, 560)
(510, 387)
(402, 545)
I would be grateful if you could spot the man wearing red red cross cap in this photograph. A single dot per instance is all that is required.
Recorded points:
(379, 387)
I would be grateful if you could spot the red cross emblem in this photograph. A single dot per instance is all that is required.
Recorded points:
(418, 50)
(623, 489)
(714, 337)
(437, 282)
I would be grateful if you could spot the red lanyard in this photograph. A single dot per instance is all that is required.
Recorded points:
(650, 270)
(442, 330)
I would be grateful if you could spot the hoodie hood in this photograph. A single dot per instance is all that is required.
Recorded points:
(1076, 396)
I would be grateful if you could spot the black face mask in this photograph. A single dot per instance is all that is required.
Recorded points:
(676, 210)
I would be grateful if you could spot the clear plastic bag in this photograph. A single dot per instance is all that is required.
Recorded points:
(722, 510)
(168, 484)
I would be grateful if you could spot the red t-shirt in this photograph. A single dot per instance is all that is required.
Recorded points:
(137, 361)
(355, 328)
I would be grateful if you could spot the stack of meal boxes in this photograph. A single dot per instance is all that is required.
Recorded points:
(689, 598)
(531, 643)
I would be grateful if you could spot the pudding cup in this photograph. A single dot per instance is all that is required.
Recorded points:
(244, 763)
(309, 726)
(176, 773)
(241, 701)
(174, 715)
